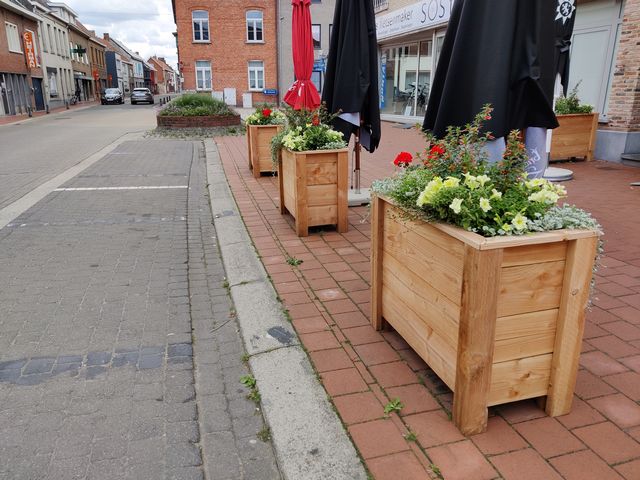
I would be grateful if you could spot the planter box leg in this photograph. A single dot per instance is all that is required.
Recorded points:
(476, 339)
(377, 239)
(571, 315)
(302, 210)
(249, 153)
(343, 186)
(283, 209)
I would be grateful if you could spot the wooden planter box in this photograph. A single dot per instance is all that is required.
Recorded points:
(498, 319)
(313, 188)
(575, 137)
(259, 147)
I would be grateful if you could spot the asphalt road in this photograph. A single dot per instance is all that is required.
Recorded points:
(36, 150)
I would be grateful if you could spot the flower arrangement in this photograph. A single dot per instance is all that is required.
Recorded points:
(452, 181)
(306, 130)
(265, 115)
(571, 104)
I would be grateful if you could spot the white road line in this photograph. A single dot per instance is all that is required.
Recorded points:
(93, 189)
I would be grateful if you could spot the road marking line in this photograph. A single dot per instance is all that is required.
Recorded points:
(92, 189)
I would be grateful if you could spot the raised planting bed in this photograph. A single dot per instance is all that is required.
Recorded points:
(575, 137)
(198, 121)
(313, 188)
(498, 319)
(259, 147)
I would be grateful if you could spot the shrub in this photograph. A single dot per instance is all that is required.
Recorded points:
(571, 104)
(196, 105)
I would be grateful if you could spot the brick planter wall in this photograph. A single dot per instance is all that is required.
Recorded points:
(198, 122)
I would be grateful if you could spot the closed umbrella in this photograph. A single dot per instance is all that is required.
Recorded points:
(303, 93)
(351, 79)
(499, 52)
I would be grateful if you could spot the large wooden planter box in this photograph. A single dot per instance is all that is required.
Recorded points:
(313, 188)
(498, 319)
(575, 137)
(259, 146)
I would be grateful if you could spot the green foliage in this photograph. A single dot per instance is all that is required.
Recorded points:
(294, 262)
(264, 434)
(248, 381)
(196, 105)
(571, 104)
(394, 405)
(411, 437)
(266, 114)
(454, 183)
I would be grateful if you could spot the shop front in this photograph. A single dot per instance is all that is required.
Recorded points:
(410, 40)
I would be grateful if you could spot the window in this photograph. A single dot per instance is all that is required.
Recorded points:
(316, 34)
(203, 75)
(200, 25)
(13, 38)
(316, 78)
(254, 26)
(256, 75)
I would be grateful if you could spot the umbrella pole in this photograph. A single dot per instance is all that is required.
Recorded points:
(356, 172)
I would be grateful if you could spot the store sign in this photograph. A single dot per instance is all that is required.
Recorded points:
(29, 49)
(270, 91)
(383, 81)
(419, 16)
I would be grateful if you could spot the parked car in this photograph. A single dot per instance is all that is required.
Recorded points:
(141, 95)
(112, 95)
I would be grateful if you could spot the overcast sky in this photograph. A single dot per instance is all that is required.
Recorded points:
(144, 26)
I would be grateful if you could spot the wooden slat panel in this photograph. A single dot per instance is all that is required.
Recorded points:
(433, 349)
(573, 138)
(442, 267)
(321, 156)
(436, 310)
(530, 288)
(322, 173)
(528, 254)
(343, 196)
(575, 295)
(476, 339)
(323, 215)
(322, 195)
(288, 179)
(520, 379)
(378, 207)
(526, 335)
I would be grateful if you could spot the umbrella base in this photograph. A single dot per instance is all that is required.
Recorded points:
(554, 174)
(358, 199)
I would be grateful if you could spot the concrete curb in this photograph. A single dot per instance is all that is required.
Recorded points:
(309, 440)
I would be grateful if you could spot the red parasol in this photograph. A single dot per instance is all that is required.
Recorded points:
(303, 93)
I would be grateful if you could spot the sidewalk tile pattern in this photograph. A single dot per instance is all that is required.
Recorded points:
(328, 299)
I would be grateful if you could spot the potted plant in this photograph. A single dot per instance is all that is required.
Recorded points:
(262, 126)
(576, 135)
(312, 161)
(482, 274)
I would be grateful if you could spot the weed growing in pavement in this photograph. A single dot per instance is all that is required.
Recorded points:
(287, 315)
(411, 436)
(250, 382)
(264, 434)
(226, 285)
(394, 405)
(294, 262)
(434, 468)
(245, 358)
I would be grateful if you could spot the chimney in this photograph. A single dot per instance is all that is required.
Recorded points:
(106, 37)
(162, 59)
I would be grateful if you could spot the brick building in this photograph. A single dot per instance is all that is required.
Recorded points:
(21, 84)
(98, 63)
(164, 77)
(228, 47)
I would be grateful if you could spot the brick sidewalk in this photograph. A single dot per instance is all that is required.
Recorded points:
(328, 298)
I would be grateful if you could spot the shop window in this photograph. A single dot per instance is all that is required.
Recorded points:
(255, 26)
(200, 20)
(316, 33)
(316, 78)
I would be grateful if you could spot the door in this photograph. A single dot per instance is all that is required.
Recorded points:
(37, 92)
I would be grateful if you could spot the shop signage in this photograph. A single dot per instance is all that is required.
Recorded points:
(270, 91)
(383, 81)
(29, 49)
(419, 16)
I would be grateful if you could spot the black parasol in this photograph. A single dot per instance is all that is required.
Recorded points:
(499, 52)
(351, 79)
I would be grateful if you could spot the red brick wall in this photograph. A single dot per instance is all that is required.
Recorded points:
(228, 52)
(624, 101)
(15, 62)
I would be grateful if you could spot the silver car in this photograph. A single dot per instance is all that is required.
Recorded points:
(141, 95)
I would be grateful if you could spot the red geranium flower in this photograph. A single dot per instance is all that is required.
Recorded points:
(315, 121)
(403, 159)
(266, 112)
(437, 150)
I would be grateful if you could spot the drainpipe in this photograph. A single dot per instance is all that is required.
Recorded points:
(278, 43)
